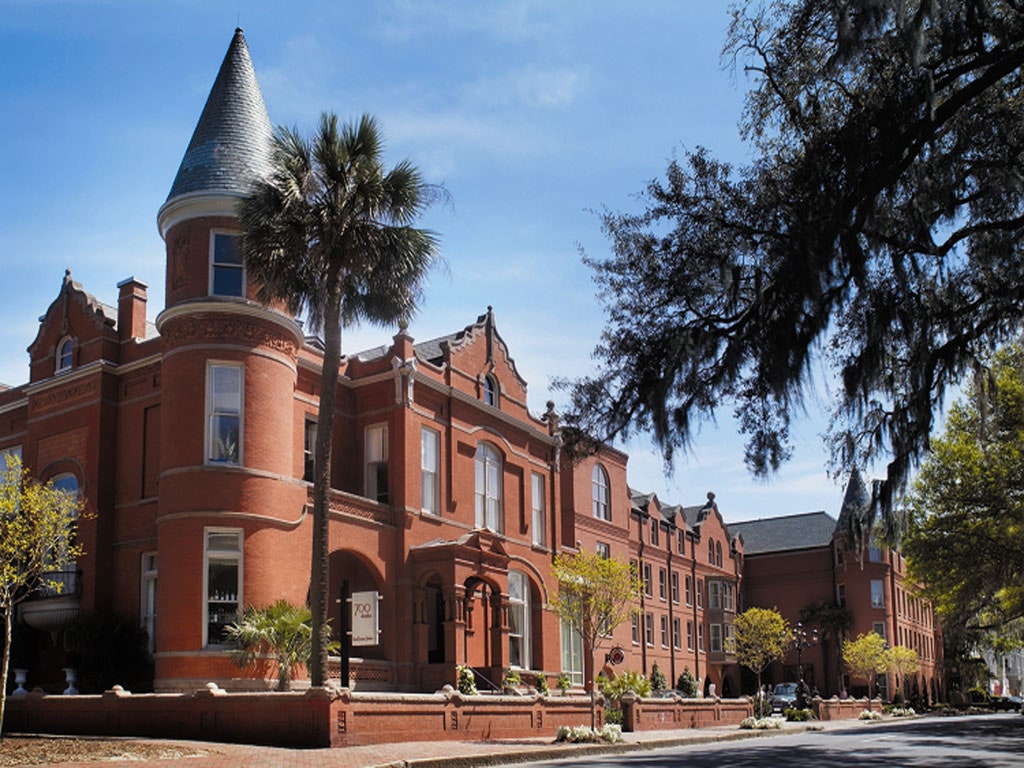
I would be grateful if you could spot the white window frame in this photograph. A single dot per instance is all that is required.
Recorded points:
(603, 550)
(67, 576)
(215, 265)
(489, 469)
(600, 493)
(878, 627)
(654, 531)
(430, 471)
(309, 429)
(675, 587)
(648, 579)
(148, 572)
(662, 584)
(538, 505)
(689, 635)
(676, 631)
(212, 555)
(714, 595)
(664, 631)
(877, 593)
(213, 414)
(519, 606)
(649, 629)
(64, 360)
(715, 639)
(572, 653)
(490, 392)
(689, 590)
(635, 628)
(375, 455)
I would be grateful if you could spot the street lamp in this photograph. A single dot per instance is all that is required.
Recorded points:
(801, 640)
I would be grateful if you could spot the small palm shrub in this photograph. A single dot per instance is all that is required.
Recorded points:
(280, 633)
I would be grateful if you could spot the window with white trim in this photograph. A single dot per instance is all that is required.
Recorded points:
(490, 390)
(649, 629)
(224, 424)
(604, 551)
(430, 471)
(675, 587)
(700, 593)
(308, 449)
(878, 628)
(689, 590)
(68, 576)
(222, 582)
(664, 631)
(599, 493)
(700, 637)
(877, 594)
(518, 620)
(538, 502)
(729, 641)
(635, 628)
(654, 532)
(489, 513)
(572, 653)
(227, 272)
(65, 355)
(715, 640)
(148, 598)
(662, 584)
(689, 635)
(714, 594)
(377, 462)
(12, 452)
(648, 586)
(676, 640)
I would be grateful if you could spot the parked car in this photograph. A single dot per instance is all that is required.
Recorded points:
(1007, 704)
(783, 697)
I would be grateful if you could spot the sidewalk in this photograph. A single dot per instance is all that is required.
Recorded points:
(435, 754)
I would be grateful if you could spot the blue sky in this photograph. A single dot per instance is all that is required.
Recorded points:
(534, 115)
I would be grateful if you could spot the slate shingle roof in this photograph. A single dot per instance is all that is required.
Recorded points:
(779, 534)
(231, 142)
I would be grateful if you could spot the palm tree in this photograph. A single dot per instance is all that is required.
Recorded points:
(280, 631)
(329, 233)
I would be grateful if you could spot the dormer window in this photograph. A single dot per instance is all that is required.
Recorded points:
(65, 355)
(227, 275)
(490, 391)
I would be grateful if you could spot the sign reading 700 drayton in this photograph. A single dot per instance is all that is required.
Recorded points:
(365, 618)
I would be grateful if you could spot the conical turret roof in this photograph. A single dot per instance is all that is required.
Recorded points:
(231, 142)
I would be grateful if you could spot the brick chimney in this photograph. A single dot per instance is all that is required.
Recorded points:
(131, 309)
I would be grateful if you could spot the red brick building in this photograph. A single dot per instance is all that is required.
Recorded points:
(191, 440)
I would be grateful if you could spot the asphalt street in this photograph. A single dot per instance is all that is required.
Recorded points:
(995, 741)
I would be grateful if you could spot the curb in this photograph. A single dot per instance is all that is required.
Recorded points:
(566, 752)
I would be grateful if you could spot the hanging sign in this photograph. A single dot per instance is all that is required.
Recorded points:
(365, 618)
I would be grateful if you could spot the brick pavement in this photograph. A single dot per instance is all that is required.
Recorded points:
(435, 754)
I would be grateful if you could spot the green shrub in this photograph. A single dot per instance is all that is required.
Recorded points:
(762, 707)
(542, 685)
(613, 690)
(466, 681)
(799, 715)
(687, 683)
(658, 681)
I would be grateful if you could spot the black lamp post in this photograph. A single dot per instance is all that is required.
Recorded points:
(802, 639)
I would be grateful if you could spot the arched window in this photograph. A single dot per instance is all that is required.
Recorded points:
(599, 489)
(718, 554)
(518, 620)
(711, 551)
(488, 488)
(65, 354)
(490, 390)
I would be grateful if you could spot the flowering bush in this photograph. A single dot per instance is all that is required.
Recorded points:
(772, 722)
(870, 714)
(902, 712)
(581, 734)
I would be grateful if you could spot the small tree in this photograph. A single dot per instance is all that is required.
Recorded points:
(865, 657)
(762, 636)
(281, 633)
(38, 523)
(687, 684)
(901, 661)
(595, 595)
(658, 681)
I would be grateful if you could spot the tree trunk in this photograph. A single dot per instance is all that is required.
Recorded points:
(4, 667)
(320, 559)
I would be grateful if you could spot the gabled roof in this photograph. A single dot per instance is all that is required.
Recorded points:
(231, 142)
(780, 534)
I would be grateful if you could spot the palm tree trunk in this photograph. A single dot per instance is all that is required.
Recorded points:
(320, 559)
